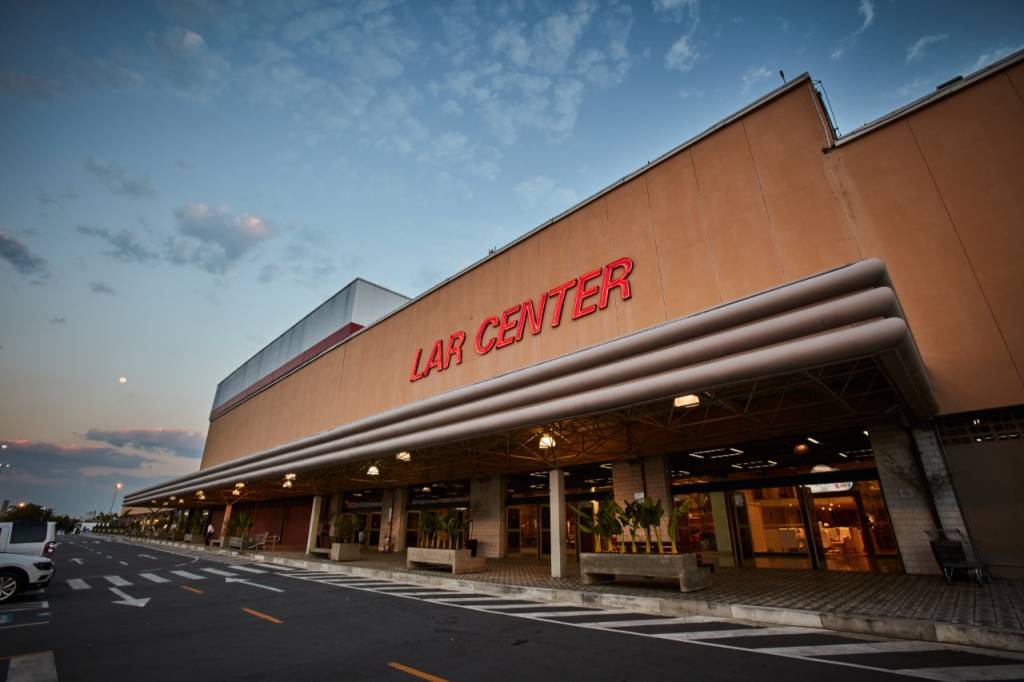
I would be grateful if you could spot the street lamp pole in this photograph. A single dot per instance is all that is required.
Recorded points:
(117, 487)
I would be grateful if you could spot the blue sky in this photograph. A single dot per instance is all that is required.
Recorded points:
(182, 181)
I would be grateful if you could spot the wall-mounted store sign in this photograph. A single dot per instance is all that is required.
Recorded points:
(589, 293)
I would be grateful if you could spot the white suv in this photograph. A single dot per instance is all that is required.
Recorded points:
(20, 572)
(35, 538)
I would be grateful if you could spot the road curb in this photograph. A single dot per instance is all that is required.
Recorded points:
(906, 628)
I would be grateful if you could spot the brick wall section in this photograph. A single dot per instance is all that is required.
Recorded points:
(933, 461)
(487, 508)
(905, 497)
(651, 478)
(395, 502)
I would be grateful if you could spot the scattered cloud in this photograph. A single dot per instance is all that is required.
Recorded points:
(117, 180)
(123, 245)
(679, 10)
(268, 273)
(21, 258)
(684, 53)
(866, 9)
(542, 191)
(753, 75)
(215, 238)
(993, 56)
(919, 49)
(192, 69)
(178, 441)
(97, 72)
(27, 86)
(102, 288)
(682, 56)
(58, 320)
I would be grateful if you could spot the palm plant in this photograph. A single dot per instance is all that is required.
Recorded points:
(630, 517)
(650, 512)
(608, 521)
(344, 528)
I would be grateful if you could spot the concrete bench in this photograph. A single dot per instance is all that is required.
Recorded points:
(604, 567)
(461, 560)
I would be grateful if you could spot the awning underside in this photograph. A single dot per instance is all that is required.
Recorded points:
(833, 334)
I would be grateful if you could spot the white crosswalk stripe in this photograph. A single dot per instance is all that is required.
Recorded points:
(189, 576)
(217, 571)
(78, 584)
(154, 578)
(116, 580)
(247, 569)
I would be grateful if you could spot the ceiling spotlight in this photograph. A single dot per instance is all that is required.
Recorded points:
(801, 449)
(181, 500)
(842, 454)
(373, 470)
(822, 469)
(403, 456)
(236, 492)
(240, 485)
(547, 441)
(425, 489)
(289, 477)
(286, 484)
(688, 400)
(122, 380)
(813, 440)
(866, 434)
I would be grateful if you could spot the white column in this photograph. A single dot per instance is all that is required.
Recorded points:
(314, 523)
(559, 558)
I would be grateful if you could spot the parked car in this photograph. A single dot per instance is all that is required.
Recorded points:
(20, 572)
(35, 538)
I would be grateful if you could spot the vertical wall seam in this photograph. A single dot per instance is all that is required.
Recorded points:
(657, 248)
(967, 255)
(764, 202)
(704, 229)
(1006, 74)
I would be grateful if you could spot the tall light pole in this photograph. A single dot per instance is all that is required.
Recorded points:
(117, 487)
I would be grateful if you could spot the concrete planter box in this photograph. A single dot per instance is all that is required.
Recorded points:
(461, 560)
(604, 567)
(234, 542)
(345, 551)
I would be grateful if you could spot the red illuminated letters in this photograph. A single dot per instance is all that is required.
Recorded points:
(499, 331)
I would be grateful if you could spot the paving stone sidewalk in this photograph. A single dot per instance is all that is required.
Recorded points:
(998, 605)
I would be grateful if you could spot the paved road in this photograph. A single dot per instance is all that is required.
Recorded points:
(120, 611)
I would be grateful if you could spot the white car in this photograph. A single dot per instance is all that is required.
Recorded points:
(36, 538)
(21, 572)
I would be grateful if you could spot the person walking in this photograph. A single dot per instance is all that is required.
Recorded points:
(209, 533)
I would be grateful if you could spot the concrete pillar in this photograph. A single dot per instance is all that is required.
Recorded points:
(940, 483)
(224, 526)
(314, 522)
(395, 503)
(559, 554)
(487, 515)
(906, 496)
(723, 538)
(333, 507)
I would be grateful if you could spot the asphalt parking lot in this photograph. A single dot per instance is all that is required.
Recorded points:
(120, 610)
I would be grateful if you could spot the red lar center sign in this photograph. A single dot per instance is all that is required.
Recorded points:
(593, 290)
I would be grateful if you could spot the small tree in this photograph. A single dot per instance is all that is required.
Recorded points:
(344, 528)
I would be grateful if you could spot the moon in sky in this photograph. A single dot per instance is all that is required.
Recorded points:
(122, 380)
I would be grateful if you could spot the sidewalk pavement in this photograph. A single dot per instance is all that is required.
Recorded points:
(911, 606)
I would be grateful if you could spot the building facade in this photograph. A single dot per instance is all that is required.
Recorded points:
(815, 342)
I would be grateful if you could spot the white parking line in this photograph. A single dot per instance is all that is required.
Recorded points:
(116, 581)
(77, 584)
(154, 578)
(986, 672)
(190, 576)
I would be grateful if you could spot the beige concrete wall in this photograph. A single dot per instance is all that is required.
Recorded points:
(937, 195)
